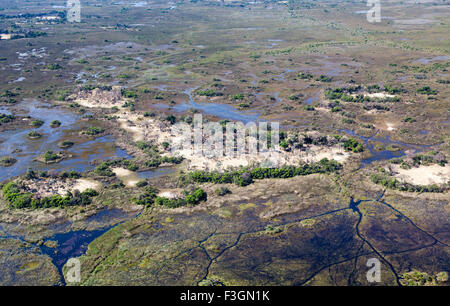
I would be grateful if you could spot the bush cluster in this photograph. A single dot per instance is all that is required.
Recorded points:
(149, 198)
(18, 199)
(245, 176)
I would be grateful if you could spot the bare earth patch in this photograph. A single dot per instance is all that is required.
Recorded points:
(83, 184)
(129, 178)
(50, 187)
(100, 98)
(424, 175)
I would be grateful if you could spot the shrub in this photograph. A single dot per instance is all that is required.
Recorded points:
(426, 90)
(148, 197)
(34, 134)
(128, 93)
(129, 165)
(237, 97)
(6, 118)
(37, 123)
(7, 161)
(171, 118)
(353, 145)
(393, 183)
(55, 123)
(324, 78)
(142, 183)
(90, 192)
(93, 130)
(54, 67)
(222, 191)
(305, 76)
(209, 93)
(50, 156)
(65, 144)
(104, 170)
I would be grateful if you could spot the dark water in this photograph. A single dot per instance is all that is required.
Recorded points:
(70, 245)
(74, 243)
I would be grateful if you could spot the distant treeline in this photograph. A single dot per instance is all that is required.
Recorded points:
(60, 14)
(23, 34)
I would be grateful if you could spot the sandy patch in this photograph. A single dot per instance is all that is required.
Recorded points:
(318, 153)
(279, 159)
(144, 129)
(137, 131)
(100, 98)
(156, 132)
(50, 187)
(379, 95)
(170, 194)
(386, 126)
(129, 178)
(423, 175)
(83, 184)
(390, 126)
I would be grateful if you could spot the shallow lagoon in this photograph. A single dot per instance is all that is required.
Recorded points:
(84, 151)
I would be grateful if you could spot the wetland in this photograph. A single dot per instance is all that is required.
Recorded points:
(87, 169)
